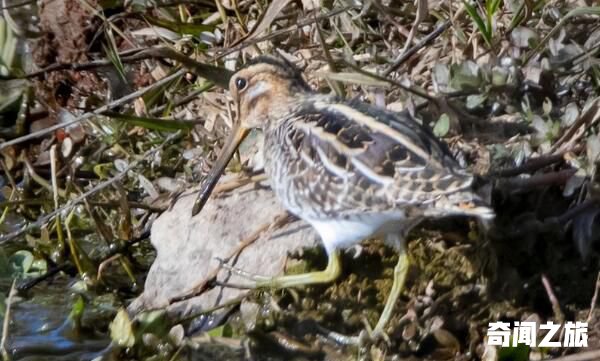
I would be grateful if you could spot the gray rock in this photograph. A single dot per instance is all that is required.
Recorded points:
(188, 248)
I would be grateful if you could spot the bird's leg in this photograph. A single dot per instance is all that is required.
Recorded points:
(377, 333)
(400, 272)
(329, 274)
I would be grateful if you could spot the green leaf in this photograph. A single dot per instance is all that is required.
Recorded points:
(76, 314)
(2, 304)
(110, 4)
(465, 76)
(77, 308)
(474, 14)
(219, 76)
(222, 331)
(499, 76)
(442, 126)
(5, 268)
(151, 123)
(113, 55)
(181, 28)
(474, 101)
(102, 170)
(39, 266)
(491, 6)
(121, 330)
(12, 101)
(8, 48)
(355, 78)
(518, 353)
(154, 322)
(460, 34)
(21, 262)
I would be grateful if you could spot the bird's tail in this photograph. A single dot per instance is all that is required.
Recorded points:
(461, 203)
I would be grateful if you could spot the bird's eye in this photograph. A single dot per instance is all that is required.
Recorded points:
(240, 83)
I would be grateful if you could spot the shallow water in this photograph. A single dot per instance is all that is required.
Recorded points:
(40, 328)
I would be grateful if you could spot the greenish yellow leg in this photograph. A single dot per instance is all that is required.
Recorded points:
(400, 272)
(329, 274)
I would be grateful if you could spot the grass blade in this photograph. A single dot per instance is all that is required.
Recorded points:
(591, 10)
(151, 123)
(113, 55)
(474, 14)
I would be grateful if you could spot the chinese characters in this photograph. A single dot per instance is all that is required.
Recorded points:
(500, 334)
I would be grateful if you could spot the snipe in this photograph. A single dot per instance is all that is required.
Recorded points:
(349, 169)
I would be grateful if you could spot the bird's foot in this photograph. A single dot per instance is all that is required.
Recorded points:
(368, 336)
(280, 282)
(257, 279)
(374, 335)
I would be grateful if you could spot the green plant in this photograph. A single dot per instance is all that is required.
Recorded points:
(484, 17)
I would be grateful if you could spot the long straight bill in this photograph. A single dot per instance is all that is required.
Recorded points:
(232, 144)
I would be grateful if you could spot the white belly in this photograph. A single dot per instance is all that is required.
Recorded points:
(342, 233)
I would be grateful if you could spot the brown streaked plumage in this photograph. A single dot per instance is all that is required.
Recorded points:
(349, 169)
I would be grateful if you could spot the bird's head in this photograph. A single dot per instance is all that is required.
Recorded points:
(263, 92)
(263, 89)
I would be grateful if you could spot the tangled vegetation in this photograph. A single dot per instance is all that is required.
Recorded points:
(109, 109)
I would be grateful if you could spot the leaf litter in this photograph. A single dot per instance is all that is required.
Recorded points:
(512, 87)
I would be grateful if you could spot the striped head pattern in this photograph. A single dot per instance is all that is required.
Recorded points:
(263, 88)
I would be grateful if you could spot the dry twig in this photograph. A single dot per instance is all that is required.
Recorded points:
(558, 314)
(73, 202)
(594, 300)
(6, 323)
(96, 112)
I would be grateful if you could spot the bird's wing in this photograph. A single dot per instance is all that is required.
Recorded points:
(383, 154)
